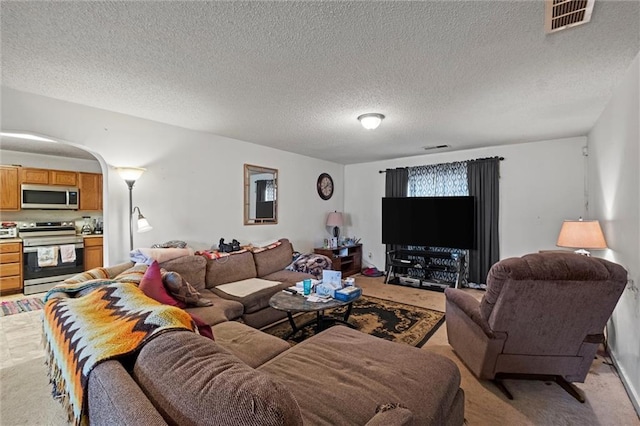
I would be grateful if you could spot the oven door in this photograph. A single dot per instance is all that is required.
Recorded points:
(48, 262)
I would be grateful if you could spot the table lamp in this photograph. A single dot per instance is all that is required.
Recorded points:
(582, 235)
(335, 219)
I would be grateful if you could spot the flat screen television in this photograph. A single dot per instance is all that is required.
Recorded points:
(429, 221)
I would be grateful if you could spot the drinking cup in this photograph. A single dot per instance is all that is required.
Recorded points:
(306, 287)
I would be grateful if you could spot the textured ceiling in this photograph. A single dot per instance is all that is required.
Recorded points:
(295, 75)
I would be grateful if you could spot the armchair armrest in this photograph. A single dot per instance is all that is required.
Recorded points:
(470, 306)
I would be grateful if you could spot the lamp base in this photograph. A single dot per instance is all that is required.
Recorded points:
(336, 231)
(583, 252)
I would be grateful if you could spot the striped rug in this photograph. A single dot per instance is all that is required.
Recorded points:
(19, 306)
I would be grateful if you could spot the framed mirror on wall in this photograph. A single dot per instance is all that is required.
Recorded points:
(260, 195)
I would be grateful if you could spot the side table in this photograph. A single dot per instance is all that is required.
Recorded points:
(347, 259)
(291, 304)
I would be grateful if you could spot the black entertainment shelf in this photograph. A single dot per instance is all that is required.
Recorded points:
(415, 267)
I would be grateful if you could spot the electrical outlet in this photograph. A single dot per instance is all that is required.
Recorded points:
(370, 255)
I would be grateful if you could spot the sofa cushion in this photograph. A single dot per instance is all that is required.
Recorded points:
(114, 270)
(223, 390)
(191, 268)
(376, 370)
(263, 317)
(274, 259)
(252, 346)
(133, 274)
(92, 274)
(221, 311)
(227, 269)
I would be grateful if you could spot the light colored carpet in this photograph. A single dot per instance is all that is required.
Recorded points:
(25, 394)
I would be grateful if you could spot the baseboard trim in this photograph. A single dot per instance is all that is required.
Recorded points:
(634, 397)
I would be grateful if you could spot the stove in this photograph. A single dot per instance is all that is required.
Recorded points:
(52, 252)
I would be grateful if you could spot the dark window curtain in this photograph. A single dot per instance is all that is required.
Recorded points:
(396, 184)
(261, 190)
(483, 179)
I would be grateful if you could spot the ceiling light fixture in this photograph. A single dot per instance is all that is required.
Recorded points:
(371, 120)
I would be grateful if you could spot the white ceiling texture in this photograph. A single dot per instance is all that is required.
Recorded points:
(295, 75)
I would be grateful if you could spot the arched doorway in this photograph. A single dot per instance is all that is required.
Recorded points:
(37, 151)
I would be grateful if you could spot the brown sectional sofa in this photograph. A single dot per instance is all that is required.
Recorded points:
(207, 274)
(247, 377)
(338, 377)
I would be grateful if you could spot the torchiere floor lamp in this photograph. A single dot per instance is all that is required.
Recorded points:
(130, 175)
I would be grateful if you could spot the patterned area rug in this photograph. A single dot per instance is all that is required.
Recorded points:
(388, 320)
(19, 306)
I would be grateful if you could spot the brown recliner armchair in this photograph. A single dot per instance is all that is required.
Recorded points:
(542, 317)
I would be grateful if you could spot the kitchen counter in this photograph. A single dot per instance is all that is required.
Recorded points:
(10, 240)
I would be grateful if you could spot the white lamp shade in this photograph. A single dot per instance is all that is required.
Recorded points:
(130, 173)
(371, 121)
(334, 219)
(581, 234)
(143, 225)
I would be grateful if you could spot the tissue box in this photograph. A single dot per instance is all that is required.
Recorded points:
(348, 294)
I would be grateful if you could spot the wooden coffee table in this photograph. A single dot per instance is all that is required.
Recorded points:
(291, 304)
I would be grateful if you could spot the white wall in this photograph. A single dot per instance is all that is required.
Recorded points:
(193, 187)
(541, 184)
(614, 189)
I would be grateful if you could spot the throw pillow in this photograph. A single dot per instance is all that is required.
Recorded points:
(132, 275)
(181, 290)
(204, 329)
(151, 285)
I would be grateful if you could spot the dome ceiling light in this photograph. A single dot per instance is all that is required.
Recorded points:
(371, 120)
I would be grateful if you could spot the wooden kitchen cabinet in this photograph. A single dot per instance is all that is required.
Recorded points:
(93, 252)
(34, 176)
(63, 177)
(9, 188)
(10, 267)
(48, 177)
(90, 185)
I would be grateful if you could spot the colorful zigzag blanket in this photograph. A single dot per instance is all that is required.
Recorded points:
(113, 320)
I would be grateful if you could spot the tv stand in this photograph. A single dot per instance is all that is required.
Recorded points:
(414, 268)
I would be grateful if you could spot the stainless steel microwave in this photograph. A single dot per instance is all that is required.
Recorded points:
(50, 197)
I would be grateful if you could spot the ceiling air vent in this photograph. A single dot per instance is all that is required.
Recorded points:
(428, 148)
(563, 14)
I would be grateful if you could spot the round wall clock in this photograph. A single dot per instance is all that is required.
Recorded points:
(325, 186)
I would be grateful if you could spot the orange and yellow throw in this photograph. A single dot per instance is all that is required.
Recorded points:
(113, 320)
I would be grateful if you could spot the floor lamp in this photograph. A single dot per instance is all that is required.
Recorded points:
(130, 175)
